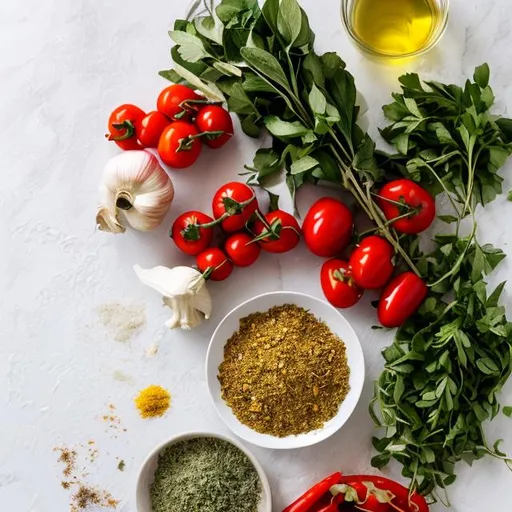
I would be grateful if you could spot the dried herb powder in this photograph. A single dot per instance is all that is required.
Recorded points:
(284, 372)
(205, 475)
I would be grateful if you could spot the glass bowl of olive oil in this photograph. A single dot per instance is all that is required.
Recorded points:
(395, 29)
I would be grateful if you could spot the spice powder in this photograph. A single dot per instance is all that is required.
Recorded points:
(284, 372)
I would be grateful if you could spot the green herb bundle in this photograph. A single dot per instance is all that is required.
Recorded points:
(262, 63)
(450, 360)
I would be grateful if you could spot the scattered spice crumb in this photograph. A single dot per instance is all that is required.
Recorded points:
(153, 401)
(87, 496)
(152, 350)
(123, 321)
(68, 458)
(112, 419)
(121, 465)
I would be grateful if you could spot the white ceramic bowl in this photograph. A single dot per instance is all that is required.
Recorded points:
(335, 321)
(148, 469)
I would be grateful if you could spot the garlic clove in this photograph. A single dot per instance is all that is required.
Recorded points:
(184, 292)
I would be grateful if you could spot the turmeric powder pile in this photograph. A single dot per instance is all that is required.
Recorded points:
(153, 401)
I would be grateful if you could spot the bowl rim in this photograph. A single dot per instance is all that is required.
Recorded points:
(197, 434)
(305, 442)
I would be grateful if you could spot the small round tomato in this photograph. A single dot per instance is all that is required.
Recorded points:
(151, 129)
(328, 227)
(188, 232)
(236, 203)
(406, 199)
(372, 262)
(214, 264)
(124, 126)
(178, 102)
(242, 250)
(401, 299)
(338, 286)
(213, 118)
(179, 147)
(277, 232)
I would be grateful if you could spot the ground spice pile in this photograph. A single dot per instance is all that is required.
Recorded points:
(284, 372)
(153, 401)
(206, 474)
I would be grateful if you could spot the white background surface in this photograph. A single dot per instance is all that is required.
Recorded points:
(63, 66)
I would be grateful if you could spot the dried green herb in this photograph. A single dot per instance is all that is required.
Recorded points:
(205, 475)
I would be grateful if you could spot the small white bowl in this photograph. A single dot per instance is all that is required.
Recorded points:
(148, 469)
(338, 325)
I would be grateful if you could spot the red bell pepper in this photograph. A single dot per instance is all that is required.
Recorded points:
(330, 504)
(306, 502)
(400, 499)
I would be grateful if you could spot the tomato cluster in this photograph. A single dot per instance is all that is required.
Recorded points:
(177, 129)
(328, 230)
(247, 232)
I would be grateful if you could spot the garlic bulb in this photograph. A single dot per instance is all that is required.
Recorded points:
(184, 291)
(135, 184)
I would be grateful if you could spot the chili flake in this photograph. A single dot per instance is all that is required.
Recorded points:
(284, 372)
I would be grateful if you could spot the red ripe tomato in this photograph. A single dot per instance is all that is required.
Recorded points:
(372, 262)
(338, 286)
(152, 127)
(239, 201)
(214, 264)
(188, 235)
(400, 299)
(400, 197)
(242, 250)
(178, 102)
(213, 118)
(328, 227)
(179, 147)
(280, 232)
(124, 126)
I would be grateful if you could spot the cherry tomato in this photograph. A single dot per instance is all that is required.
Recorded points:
(242, 250)
(400, 299)
(177, 102)
(214, 264)
(237, 199)
(279, 233)
(213, 118)
(152, 127)
(400, 197)
(328, 227)
(188, 235)
(372, 262)
(178, 146)
(338, 285)
(124, 126)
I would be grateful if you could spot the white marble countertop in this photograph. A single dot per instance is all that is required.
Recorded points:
(63, 67)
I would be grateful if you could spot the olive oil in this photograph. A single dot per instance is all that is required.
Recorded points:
(395, 27)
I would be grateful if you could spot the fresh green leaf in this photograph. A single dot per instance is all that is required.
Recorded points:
(305, 164)
(289, 20)
(507, 411)
(481, 76)
(265, 63)
(317, 100)
(190, 47)
(285, 129)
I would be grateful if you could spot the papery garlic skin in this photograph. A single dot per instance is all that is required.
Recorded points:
(184, 291)
(135, 184)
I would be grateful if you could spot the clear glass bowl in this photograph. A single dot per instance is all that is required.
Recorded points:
(348, 16)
